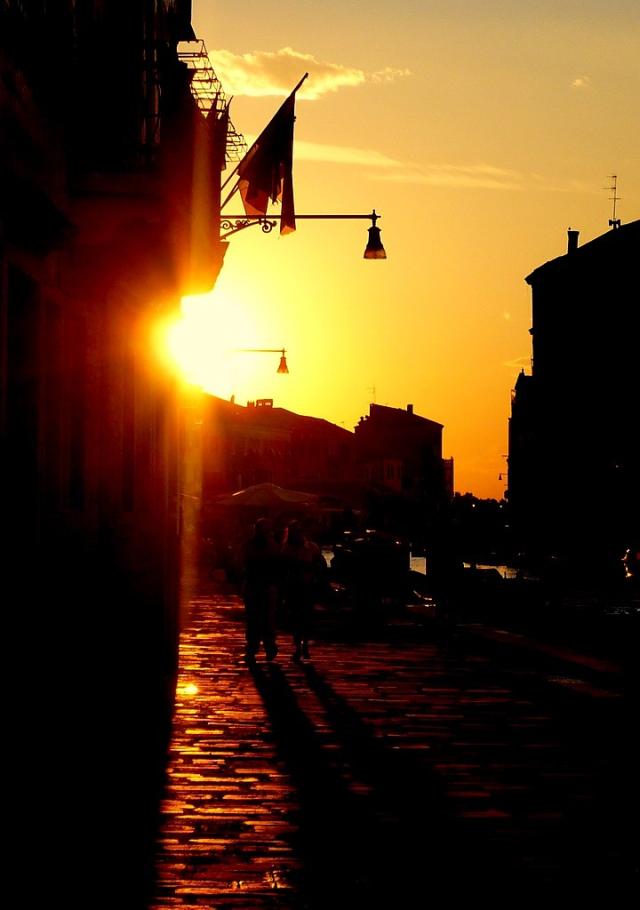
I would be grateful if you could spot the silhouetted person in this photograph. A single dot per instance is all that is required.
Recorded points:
(304, 572)
(262, 562)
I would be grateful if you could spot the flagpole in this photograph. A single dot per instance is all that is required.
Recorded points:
(234, 171)
(231, 194)
(306, 76)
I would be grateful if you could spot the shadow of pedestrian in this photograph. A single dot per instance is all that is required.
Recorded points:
(373, 829)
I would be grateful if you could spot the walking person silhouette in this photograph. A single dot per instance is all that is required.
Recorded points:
(262, 563)
(304, 569)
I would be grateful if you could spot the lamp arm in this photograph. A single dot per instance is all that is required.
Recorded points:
(233, 223)
(259, 351)
(372, 216)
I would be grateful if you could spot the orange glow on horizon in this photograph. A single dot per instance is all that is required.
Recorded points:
(468, 207)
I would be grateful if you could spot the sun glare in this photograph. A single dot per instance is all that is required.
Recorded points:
(204, 343)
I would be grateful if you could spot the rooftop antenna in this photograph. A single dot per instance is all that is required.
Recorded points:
(613, 188)
(372, 389)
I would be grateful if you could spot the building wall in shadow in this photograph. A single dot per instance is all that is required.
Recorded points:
(574, 460)
(98, 135)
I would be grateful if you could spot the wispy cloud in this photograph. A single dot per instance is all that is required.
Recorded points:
(384, 168)
(481, 176)
(381, 167)
(388, 74)
(581, 82)
(268, 73)
(580, 187)
(471, 176)
(342, 154)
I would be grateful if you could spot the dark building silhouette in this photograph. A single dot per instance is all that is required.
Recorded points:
(403, 451)
(399, 455)
(574, 460)
(108, 215)
(241, 447)
(393, 460)
(261, 443)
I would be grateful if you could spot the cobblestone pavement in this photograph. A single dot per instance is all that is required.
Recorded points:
(402, 769)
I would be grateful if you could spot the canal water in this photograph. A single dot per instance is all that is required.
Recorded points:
(419, 564)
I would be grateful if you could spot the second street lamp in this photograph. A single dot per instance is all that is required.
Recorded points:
(282, 366)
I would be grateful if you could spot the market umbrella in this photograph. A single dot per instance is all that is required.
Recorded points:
(267, 495)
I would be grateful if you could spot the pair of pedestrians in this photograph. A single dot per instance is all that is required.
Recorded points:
(288, 572)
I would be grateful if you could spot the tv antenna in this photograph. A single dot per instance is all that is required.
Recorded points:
(372, 389)
(613, 188)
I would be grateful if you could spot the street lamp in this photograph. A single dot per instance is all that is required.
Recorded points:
(282, 366)
(231, 224)
(374, 248)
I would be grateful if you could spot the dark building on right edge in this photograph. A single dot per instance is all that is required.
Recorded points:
(574, 458)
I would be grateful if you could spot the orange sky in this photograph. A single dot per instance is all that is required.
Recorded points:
(481, 132)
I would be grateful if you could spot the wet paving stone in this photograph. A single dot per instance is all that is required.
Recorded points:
(381, 771)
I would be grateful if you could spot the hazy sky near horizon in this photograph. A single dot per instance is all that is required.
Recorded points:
(480, 130)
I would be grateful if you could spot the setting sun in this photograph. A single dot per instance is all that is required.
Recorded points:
(211, 344)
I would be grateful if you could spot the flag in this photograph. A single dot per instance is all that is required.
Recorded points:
(265, 172)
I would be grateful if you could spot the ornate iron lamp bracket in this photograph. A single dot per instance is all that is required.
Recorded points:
(233, 225)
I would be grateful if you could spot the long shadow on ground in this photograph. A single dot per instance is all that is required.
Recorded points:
(374, 829)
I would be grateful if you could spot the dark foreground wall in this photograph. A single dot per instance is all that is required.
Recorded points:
(97, 130)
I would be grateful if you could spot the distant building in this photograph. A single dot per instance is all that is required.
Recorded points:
(391, 451)
(402, 451)
(574, 458)
(260, 443)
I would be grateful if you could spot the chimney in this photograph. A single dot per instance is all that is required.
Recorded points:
(409, 409)
(572, 241)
